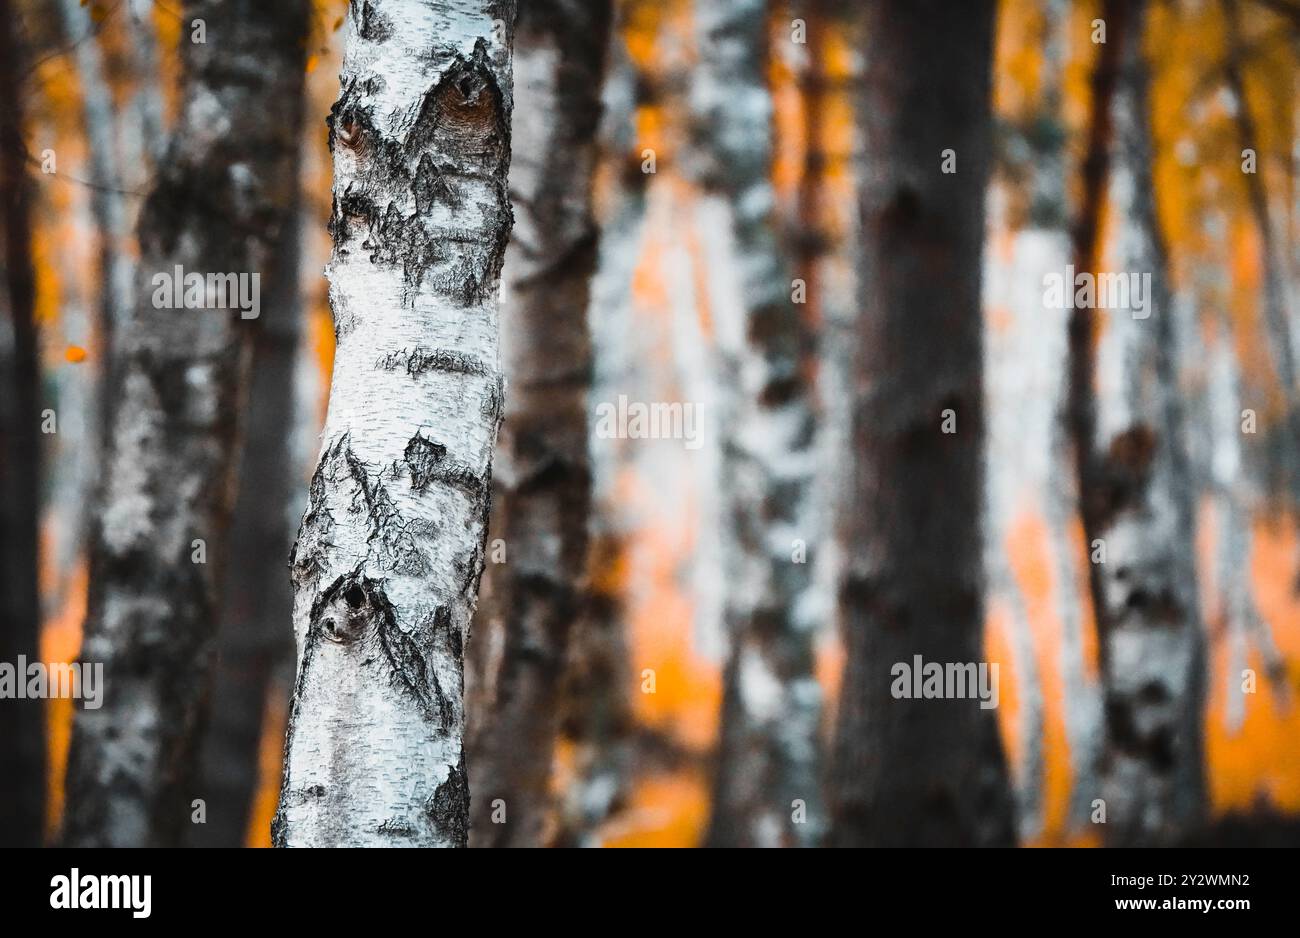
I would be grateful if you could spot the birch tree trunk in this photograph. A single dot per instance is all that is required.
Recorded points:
(1277, 320)
(220, 204)
(22, 724)
(1137, 492)
(908, 771)
(771, 700)
(388, 559)
(102, 127)
(597, 720)
(544, 471)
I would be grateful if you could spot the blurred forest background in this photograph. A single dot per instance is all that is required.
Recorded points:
(640, 739)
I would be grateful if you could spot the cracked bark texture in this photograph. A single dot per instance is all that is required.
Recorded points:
(219, 204)
(542, 469)
(22, 724)
(918, 772)
(771, 700)
(387, 563)
(1134, 478)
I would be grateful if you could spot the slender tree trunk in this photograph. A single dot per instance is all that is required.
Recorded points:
(1277, 320)
(543, 468)
(108, 203)
(1135, 484)
(596, 710)
(919, 771)
(253, 646)
(146, 102)
(22, 724)
(388, 559)
(771, 700)
(221, 202)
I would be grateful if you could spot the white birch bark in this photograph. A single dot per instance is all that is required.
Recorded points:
(1139, 504)
(772, 702)
(108, 202)
(146, 103)
(388, 559)
(177, 377)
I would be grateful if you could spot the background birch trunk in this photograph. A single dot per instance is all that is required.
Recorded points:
(918, 772)
(388, 559)
(1273, 260)
(543, 470)
(771, 701)
(22, 724)
(220, 204)
(1137, 492)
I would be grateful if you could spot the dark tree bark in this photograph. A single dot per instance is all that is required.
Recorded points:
(221, 203)
(22, 723)
(543, 467)
(908, 771)
(254, 650)
(1134, 482)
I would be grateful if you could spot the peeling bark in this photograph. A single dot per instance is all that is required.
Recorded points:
(387, 563)
(22, 723)
(1135, 483)
(907, 771)
(771, 700)
(220, 204)
(542, 466)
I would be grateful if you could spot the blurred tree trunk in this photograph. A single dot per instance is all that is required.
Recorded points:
(253, 647)
(146, 104)
(907, 771)
(543, 467)
(771, 700)
(22, 724)
(1277, 321)
(387, 563)
(596, 706)
(1135, 484)
(103, 133)
(221, 203)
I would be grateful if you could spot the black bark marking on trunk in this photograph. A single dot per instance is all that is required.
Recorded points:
(1120, 478)
(412, 672)
(419, 361)
(372, 25)
(459, 138)
(448, 807)
(279, 833)
(428, 463)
